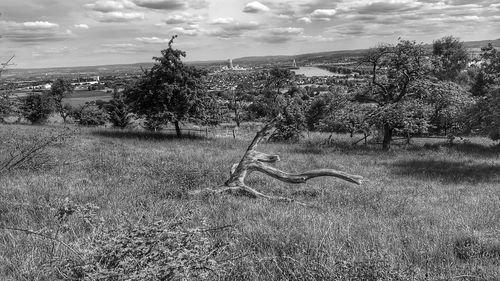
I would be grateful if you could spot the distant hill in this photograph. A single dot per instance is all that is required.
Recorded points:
(301, 59)
(336, 55)
(483, 43)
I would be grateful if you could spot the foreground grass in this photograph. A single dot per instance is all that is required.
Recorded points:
(423, 213)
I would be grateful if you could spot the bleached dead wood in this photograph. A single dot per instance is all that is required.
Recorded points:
(257, 161)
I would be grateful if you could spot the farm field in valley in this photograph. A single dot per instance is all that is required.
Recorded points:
(424, 212)
(80, 97)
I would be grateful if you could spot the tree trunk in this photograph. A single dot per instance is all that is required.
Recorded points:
(386, 143)
(177, 129)
(257, 161)
(236, 116)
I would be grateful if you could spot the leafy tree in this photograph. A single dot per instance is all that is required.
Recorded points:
(318, 109)
(486, 113)
(37, 108)
(89, 115)
(449, 103)
(239, 95)
(61, 89)
(451, 57)
(118, 112)
(484, 117)
(170, 91)
(280, 96)
(396, 71)
(293, 123)
(346, 116)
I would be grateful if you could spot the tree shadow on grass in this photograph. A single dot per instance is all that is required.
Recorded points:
(473, 149)
(143, 135)
(448, 171)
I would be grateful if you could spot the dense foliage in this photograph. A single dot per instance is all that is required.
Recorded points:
(118, 111)
(396, 71)
(451, 58)
(170, 92)
(37, 108)
(89, 115)
(61, 89)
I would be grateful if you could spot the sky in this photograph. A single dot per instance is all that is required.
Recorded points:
(52, 33)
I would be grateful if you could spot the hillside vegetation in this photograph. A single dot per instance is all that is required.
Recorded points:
(426, 212)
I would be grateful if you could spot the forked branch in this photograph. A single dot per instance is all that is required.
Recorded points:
(257, 161)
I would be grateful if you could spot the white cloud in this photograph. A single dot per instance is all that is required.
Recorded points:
(286, 30)
(40, 25)
(106, 6)
(323, 14)
(82, 26)
(180, 18)
(185, 31)
(118, 16)
(222, 21)
(255, 7)
(152, 40)
(304, 20)
(176, 19)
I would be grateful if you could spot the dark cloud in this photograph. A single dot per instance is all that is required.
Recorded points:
(280, 35)
(162, 4)
(281, 8)
(274, 39)
(171, 4)
(228, 28)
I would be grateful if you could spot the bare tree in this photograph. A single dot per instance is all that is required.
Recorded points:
(6, 64)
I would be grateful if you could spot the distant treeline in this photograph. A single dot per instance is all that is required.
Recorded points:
(344, 69)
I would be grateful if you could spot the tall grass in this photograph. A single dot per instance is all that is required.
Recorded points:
(424, 213)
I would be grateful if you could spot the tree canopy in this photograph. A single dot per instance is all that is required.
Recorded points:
(451, 57)
(396, 71)
(171, 92)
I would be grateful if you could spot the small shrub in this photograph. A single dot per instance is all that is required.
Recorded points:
(89, 115)
(162, 250)
(37, 108)
(154, 123)
(118, 112)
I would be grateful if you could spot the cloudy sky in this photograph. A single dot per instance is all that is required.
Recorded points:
(48, 33)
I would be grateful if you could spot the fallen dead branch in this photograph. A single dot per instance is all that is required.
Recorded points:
(257, 161)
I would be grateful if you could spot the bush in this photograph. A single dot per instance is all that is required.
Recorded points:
(118, 112)
(37, 108)
(154, 123)
(292, 125)
(162, 250)
(89, 115)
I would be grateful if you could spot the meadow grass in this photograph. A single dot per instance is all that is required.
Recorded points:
(424, 212)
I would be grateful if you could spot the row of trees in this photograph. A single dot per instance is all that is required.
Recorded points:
(410, 91)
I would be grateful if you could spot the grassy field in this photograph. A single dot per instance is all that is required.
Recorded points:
(425, 212)
(82, 96)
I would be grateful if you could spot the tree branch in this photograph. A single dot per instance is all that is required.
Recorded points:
(257, 161)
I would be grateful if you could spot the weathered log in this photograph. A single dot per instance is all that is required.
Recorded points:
(253, 160)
